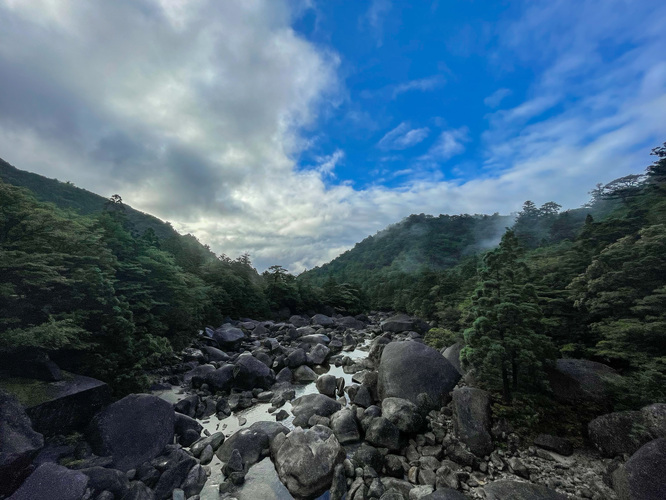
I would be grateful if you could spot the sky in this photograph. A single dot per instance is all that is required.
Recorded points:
(292, 129)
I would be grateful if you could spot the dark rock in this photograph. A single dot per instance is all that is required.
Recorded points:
(345, 427)
(351, 322)
(52, 482)
(228, 337)
(285, 375)
(304, 375)
(554, 443)
(31, 363)
(318, 354)
(617, 433)
(643, 476)
(377, 348)
(250, 373)
(654, 419)
(179, 465)
(316, 338)
(452, 355)
(444, 494)
(367, 455)
(298, 321)
(306, 461)
(214, 354)
(579, 380)
(187, 427)
(471, 419)
(403, 414)
(112, 480)
(139, 491)
(363, 398)
(59, 407)
(187, 406)
(197, 375)
(313, 404)
(19, 443)
(409, 368)
(514, 490)
(323, 320)
(296, 358)
(398, 323)
(327, 385)
(214, 441)
(132, 430)
(250, 443)
(220, 380)
(383, 434)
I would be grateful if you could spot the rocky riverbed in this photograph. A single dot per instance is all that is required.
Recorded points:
(329, 407)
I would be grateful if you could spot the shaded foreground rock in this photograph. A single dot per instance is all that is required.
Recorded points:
(306, 460)
(514, 490)
(643, 476)
(471, 419)
(580, 380)
(53, 482)
(407, 369)
(132, 430)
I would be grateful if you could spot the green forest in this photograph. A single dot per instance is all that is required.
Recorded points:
(111, 292)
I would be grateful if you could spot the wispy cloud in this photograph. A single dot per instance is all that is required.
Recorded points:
(423, 85)
(403, 137)
(326, 164)
(449, 144)
(494, 99)
(374, 18)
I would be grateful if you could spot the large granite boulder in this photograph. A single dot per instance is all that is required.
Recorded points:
(580, 380)
(350, 322)
(220, 380)
(306, 460)
(53, 482)
(471, 419)
(228, 336)
(408, 369)
(643, 476)
(323, 320)
(398, 323)
(404, 414)
(515, 490)
(59, 407)
(313, 404)
(345, 426)
(250, 373)
(252, 443)
(618, 433)
(452, 354)
(19, 443)
(132, 430)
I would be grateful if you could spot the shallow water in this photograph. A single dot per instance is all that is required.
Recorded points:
(258, 413)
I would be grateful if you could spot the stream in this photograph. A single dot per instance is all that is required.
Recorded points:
(262, 481)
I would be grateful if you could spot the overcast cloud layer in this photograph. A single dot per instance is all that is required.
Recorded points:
(197, 112)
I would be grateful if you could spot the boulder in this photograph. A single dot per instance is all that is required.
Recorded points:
(323, 320)
(220, 380)
(580, 380)
(304, 375)
(471, 419)
(59, 407)
(327, 385)
(554, 443)
(654, 419)
(101, 479)
(298, 321)
(19, 443)
(296, 358)
(318, 354)
(383, 434)
(214, 354)
(351, 323)
(514, 490)
(403, 414)
(398, 323)
(139, 491)
(642, 476)
(31, 363)
(250, 443)
(53, 482)
(617, 433)
(306, 461)
(187, 428)
(452, 355)
(179, 465)
(250, 373)
(228, 336)
(197, 375)
(445, 494)
(408, 368)
(132, 430)
(313, 404)
(377, 348)
(344, 426)
(195, 481)
(315, 338)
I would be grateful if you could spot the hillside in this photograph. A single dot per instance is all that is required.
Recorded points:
(67, 196)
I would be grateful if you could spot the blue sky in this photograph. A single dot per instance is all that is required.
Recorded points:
(292, 129)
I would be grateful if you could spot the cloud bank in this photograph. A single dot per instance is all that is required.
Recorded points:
(197, 112)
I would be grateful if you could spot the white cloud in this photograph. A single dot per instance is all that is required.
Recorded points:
(403, 137)
(449, 144)
(494, 99)
(375, 17)
(326, 164)
(423, 85)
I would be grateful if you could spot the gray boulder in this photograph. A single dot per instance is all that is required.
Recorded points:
(383, 434)
(132, 430)
(554, 443)
(228, 336)
(452, 355)
(350, 322)
(101, 479)
(315, 338)
(313, 404)
(403, 414)
(214, 354)
(304, 375)
(306, 461)
(327, 385)
(298, 321)
(296, 358)
(642, 476)
(514, 490)
(18, 443)
(398, 323)
(220, 380)
(617, 433)
(580, 380)
(407, 369)
(318, 354)
(323, 320)
(53, 482)
(252, 443)
(345, 426)
(471, 419)
(250, 373)
(445, 494)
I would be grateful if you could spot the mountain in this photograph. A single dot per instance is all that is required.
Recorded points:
(67, 196)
